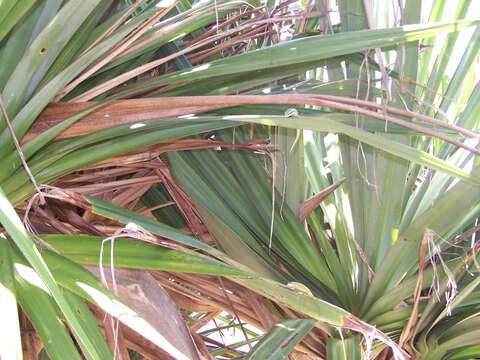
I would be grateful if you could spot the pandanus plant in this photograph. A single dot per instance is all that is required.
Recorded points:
(305, 172)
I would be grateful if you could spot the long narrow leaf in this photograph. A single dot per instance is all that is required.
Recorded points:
(14, 227)
(281, 339)
(10, 339)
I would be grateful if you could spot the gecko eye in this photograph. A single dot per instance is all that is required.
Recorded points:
(292, 112)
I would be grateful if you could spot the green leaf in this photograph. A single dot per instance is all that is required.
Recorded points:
(281, 340)
(305, 303)
(89, 324)
(29, 112)
(41, 310)
(124, 216)
(133, 254)
(326, 124)
(33, 146)
(14, 227)
(63, 159)
(79, 281)
(9, 19)
(344, 349)
(304, 51)
(10, 339)
(43, 51)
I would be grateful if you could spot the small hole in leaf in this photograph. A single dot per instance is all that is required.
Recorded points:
(43, 51)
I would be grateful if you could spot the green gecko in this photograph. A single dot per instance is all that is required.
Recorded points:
(299, 288)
